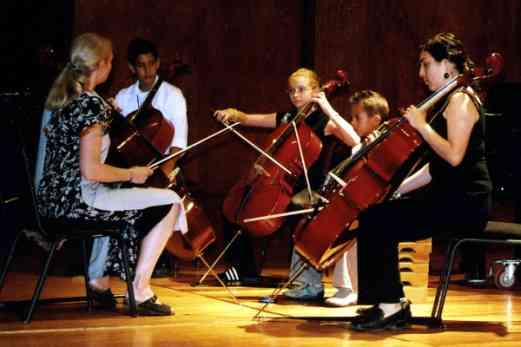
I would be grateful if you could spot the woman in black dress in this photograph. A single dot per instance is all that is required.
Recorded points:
(458, 186)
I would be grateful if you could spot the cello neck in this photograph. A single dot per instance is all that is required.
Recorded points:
(301, 115)
(440, 93)
(147, 102)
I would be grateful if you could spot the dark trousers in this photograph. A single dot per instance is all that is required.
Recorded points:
(241, 253)
(383, 226)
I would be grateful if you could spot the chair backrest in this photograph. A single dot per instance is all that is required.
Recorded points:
(42, 145)
(33, 175)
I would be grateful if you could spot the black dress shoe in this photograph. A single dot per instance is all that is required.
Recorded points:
(151, 307)
(374, 320)
(367, 310)
(103, 299)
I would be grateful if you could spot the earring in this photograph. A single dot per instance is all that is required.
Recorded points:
(446, 75)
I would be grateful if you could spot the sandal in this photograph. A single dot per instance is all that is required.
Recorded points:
(125, 299)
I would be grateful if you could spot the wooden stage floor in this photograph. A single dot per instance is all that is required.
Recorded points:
(208, 316)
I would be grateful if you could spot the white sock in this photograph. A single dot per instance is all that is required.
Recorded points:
(343, 292)
(390, 308)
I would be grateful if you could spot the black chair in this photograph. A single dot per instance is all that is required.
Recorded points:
(58, 231)
(494, 233)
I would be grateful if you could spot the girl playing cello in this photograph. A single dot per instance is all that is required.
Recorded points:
(303, 88)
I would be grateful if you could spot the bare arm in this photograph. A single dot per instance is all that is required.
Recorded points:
(417, 180)
(344, 132)
(337, 125)
(93, 169)
(262, 120)
(268, 120)
(461, 115)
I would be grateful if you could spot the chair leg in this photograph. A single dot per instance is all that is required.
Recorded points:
(126, 268)
(443, 276)
(9, 260)
(441, 292)
(41, 282)
(86, 274)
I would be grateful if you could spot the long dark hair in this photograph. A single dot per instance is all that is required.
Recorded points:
(448, 46)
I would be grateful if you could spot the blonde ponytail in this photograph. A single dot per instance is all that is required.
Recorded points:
(86, 53)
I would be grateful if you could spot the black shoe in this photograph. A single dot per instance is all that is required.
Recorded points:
(151, 307)
(231, 277)
(125, 299)
(374, 319)
(367, 311)
(252, 280)
(103, 299)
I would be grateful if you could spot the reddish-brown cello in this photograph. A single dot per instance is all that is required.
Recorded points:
(370, 176)
(130, 147)
(200, 232)
(141, 139)
(151, 123)
(267, 189)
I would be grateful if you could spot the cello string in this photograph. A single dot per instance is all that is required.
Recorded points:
(140, 105)
(138, 110)
(338, 180)
(302, 160)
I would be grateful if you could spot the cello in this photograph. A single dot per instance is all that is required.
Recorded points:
(267, 188)
(151, 122)
(371, 176)
(129, 140)
(140, 139)
(129, 146)
(200, 232)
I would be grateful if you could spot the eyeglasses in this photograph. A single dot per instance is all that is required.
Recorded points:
(298, 90)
